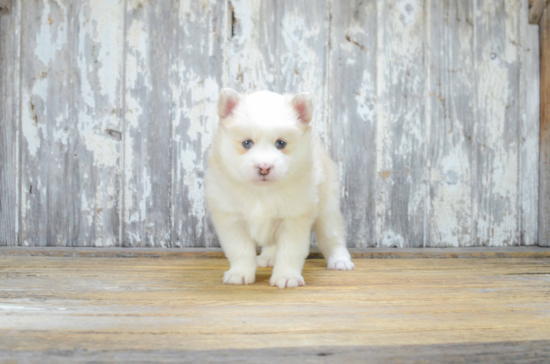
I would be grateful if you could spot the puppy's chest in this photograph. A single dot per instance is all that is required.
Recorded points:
(262, 224)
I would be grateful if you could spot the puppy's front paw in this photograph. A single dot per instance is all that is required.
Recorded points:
(287, 280)
(340, 264)
(239, 276)
(265, 261)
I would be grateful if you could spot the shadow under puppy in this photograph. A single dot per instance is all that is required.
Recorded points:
(269, 183)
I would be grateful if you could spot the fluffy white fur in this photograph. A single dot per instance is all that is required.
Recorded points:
(270, 196)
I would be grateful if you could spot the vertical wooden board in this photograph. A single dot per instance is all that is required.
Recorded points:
(98, 61)
(48, 207)
(148, 123)
(352, 129)
(195, 85)
(71, 84)
(9, 125)
(451, 102)
(250, 50)
(497, 128)
(400, 131)
(544, 188)
(529, 119)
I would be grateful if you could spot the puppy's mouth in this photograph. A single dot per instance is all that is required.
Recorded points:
(263, 180)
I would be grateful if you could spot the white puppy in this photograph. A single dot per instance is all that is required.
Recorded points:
(269, 183)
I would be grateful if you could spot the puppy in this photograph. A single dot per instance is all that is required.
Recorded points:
(269, 183)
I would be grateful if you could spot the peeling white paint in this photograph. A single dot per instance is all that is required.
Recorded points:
(364, 97)
(52, 37)
(391, 239)
(30, 129)
(106, 17)
(104, 149)
(472, 189)
(247, 64)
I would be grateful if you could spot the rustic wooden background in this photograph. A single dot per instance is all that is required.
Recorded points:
(430, 107)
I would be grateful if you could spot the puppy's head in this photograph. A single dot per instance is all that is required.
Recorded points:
(265, 137)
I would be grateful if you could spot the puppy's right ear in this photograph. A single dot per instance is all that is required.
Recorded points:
(228, 101)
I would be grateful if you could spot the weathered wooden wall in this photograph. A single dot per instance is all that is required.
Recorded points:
(430, 107)
(544, 170)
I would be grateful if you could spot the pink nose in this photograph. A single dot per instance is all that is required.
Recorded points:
(264, 169)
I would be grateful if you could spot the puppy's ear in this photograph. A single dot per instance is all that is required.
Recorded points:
(228, 101)
(303, 106)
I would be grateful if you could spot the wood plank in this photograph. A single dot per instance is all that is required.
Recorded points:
(401, 124)
(352, 124)
(98, 112)
(49, 197)
(149, 111)
(250, 63)
(496, 138)
(94, 305)
(536, 9)
(452, 122)
(9, 126)
(217, 253)
(71, 107)
(196, 79)
(529, 119)
(544, 179)
(518, 352)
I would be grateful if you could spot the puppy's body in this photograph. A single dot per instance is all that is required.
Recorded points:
(269, 195)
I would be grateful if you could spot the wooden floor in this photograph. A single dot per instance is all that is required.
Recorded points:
(82, 309)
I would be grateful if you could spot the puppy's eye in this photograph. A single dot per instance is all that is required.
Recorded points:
(280, 144)
(248, 144)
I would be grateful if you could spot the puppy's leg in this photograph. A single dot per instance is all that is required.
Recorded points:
(267, 257)
(238, 247)
(292, 250)
(330, 233)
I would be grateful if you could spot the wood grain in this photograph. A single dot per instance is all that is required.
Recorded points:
(496, 138)
(98, 112)
(10, 48)
(352, 123)
(519, 352)
(150, 43)
(544, 189)
(401, 124)
(49, 197)
(217, 253)
(451, 108)
(529, 118)
(81, 306)
(536, 9)
(71, 108)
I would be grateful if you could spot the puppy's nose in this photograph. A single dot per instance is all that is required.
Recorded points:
(264, 169)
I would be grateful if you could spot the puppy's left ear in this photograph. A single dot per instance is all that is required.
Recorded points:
(303, 105)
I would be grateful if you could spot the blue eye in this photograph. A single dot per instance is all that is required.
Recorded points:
(248, 144)
(280, 144)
